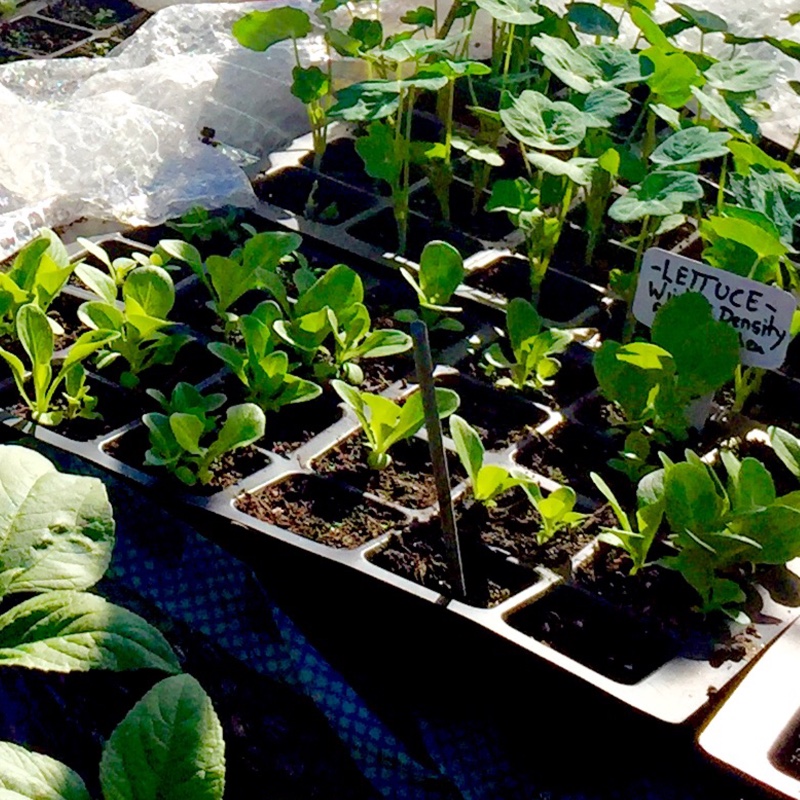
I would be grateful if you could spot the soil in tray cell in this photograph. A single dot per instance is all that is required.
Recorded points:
(227, 470)
(114, 409)
(320, 509)
(491, 227)
(499, 417)
(380, 231)
(38, 36)
(97, 14)
(561, 297)
(407, 481)
(570, 257)
(569, 454)
(316, 197)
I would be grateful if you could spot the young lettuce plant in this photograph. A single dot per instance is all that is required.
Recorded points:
(385, 423)
(532, 348)
(37, 339)
(227, 279)
(187, 442)
(441, 271)
(488, 481)
(37, 275)
(118, 269)
(556, 510)
(653, 383)
(142, 339)
(332, 307)
(264, 370)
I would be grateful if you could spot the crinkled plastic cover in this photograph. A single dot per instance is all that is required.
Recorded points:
(119, 137)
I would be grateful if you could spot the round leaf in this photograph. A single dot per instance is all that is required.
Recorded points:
(660, 194)
(689, 146)
(591, 19)
(259, 30)
(544, 124)
(512, 12)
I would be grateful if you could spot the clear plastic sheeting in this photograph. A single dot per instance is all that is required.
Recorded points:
(119, 138)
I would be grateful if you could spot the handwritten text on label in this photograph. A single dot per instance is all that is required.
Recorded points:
(761, 314)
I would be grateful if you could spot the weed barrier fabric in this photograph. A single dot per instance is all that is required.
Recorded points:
(461, 751)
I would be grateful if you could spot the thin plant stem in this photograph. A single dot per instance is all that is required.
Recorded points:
(723, 177)
(630, 322)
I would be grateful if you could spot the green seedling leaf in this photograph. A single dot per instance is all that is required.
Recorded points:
(692, 501)
(477, 151)
(706, 21)
(544, 124)
(369, 32)
(468, 445)
(747, 155)
(660, 194)
(713, 102)
(169, 747)
(579, 170)
(689, 146)
(149, 291)
(651, 30)
(244, 424)
(602, 106)
(56, 530)
(512, 12)
(593, 20)
(786, 447)
(441, 271)
(310, 84)
(741, 74)
(361, 102)
(259, 30)
(407, 49)
(774, 194)
(670, 76)
(377, 151)
(97, 281)
(455, 69)
(589, 66)
(65, 631)
(32, 776)
(422, 15)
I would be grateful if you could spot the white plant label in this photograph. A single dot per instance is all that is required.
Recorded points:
(761, 314)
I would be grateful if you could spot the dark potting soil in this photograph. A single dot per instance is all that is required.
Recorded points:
(7, 56)
(97, 14)
(294, 425)
(35, 36)
(490, 227)
(227, 470)
(380, 231)
(568, 455)
(417, 554)
(561, 297)
(499, 417)
(314, 196)
(115, 409)
(623, 626)
(320, 509)
(570, 257)
(273, 736)
(407, 481)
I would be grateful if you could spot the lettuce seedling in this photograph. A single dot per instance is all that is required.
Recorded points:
(441, 270)
(188, 399)
(202, 225)
(108, 285)
(184, 443)
(332, 307)
(37, 275)
(532, 347)
(251, 266)
(36, 337)
(385, 423)
(489, 481)
(653, 382)
(556, 510)
(264, 370)
(142, 340)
